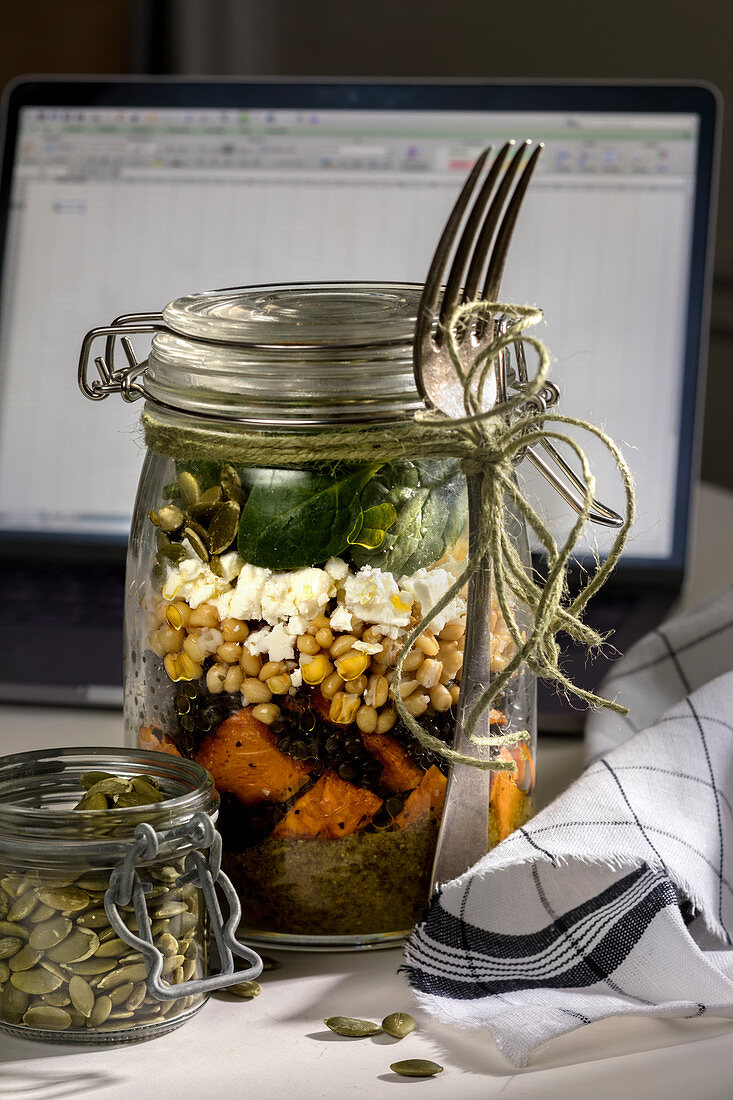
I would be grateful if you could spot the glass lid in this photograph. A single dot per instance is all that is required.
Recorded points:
(299, 315)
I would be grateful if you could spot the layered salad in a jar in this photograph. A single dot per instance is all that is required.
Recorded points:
(276, 608)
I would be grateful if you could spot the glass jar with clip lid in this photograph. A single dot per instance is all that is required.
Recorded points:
(109, 871)
(294, 564)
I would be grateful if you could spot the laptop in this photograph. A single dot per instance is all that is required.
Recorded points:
(117, 196)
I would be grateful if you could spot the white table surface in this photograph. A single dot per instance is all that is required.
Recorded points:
(261, 1047)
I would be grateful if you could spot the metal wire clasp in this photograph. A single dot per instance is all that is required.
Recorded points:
(113, 380)
(202, 871)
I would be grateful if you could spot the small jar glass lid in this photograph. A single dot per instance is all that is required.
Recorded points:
(297, 315)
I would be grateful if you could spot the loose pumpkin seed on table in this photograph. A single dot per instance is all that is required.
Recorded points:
(416, 1067)
(352, 1027)
(398, 1024)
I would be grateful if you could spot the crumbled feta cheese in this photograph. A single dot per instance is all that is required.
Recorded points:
(375, 597)
(296, 678)
(245, 600)
(304, 592)
(427, 586)
(336, 568)
(367, 647)
(341, 618)
(297, 625)
(231, 565)
(192, 580)
(272, 640)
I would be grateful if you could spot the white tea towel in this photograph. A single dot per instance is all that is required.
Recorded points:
(618, 898)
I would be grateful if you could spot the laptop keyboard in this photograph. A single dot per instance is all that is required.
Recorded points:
(70, 595)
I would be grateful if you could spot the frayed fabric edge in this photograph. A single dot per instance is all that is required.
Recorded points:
(616, 862)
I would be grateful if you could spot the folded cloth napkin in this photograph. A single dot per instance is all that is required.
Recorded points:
(617, 899)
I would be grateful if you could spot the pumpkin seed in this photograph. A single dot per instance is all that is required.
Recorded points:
(52, 968)
(94, 967)
(172, 963)
(41, 913)
(120, 993)
(269, 963)
(13, 1004)
(77, 1018)
(93, 880)
(197, 543)
(94, 801)
(398, 1024)
(170, 518)
(247, 990)
(47, 1018)
(23, 905)
(189, 969)
(11, 884)
(151, 793)
(351, 1026)
(9, 945)
(4, 971)
(223, 526)
(137, 972)
(167, 945)
(90, 779)
(170, 909)
(93, 918)
(82, 995)
(172, 552)
(121, 1014)
(37, 980)
(50, 932)
(9, 928)
(137, 996)
(188, 488)
(78, 946)
(4, 906)
(111, 785)
(111, 949)
(416, 1067)
(106, 934)
(70, 899)
(203, 511)
(100, 1011)
(58, 998)
(26, 958)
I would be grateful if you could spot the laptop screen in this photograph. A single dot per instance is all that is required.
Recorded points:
(117, 209)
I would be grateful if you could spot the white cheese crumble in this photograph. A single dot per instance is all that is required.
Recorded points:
(192, 580)
(426, 587)
(272, 640)
(375, 597)
(245, 600)
(341, 618)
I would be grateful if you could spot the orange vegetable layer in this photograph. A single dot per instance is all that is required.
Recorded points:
(153, 738)
(400, 773)
(243, 758)
(331, 808)
(426, 799)
(508, 791)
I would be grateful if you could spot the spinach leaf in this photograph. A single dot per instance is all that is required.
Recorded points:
(429, 497)
(301, 517)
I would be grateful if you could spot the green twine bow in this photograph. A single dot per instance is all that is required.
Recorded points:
(489, 444)
(498, 437)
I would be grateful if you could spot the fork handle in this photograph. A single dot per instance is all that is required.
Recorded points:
(464, 829)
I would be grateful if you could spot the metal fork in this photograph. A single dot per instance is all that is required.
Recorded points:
(464, 831)
(484, 243)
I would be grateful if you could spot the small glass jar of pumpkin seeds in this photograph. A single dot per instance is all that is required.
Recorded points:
(104, 929)
(284, 547)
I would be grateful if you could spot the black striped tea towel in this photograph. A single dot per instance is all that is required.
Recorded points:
(617, 898)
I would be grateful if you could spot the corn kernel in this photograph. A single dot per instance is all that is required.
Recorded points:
(315, 671)
(343, 708)
(352, 665)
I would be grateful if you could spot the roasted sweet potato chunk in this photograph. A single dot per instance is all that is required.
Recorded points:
(332, 808)
(243, 758)
(427, 798)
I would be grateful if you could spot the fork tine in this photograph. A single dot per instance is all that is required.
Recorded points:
(438, 264)
(506, 229)
(466, 244)
(488, 229)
